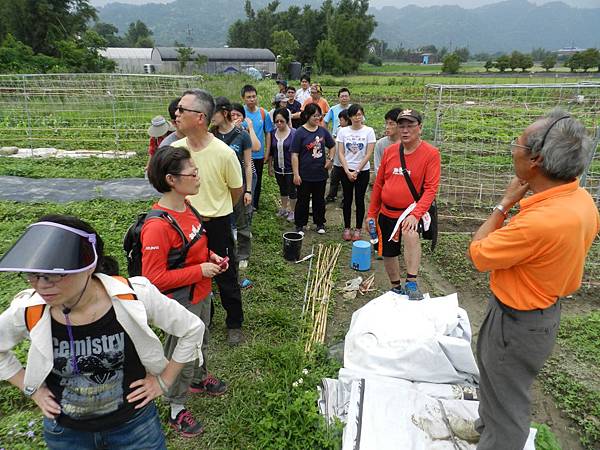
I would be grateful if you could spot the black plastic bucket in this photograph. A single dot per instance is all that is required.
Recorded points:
(292, 244)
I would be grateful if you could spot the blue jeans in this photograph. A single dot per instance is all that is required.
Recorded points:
(143, 431)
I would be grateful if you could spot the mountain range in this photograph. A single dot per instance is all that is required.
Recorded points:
(504, 26)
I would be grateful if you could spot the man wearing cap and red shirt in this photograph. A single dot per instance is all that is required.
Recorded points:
(391, 196)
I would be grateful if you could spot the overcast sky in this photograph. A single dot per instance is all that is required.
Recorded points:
(401, 3)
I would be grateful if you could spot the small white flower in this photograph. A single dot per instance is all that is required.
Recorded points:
(305, 371)
(300, 381)
(295, 384)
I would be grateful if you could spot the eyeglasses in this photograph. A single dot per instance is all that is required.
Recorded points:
(181, 110)
(513, 143)
(280, 121)
(52, 278)
(193, 174)
(317, 116)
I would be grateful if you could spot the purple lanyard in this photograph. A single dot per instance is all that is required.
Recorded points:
(72, 346)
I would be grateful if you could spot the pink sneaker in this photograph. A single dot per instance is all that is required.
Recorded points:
(356, 236)
(347, 234)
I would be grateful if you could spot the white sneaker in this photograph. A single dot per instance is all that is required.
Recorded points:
(290, 216)
(243, 264)
(321, 230)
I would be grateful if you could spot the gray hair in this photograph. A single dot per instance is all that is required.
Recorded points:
(563, 143)
(203, 101)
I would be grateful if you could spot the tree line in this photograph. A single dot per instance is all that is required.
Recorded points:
(334, 38)
(45, 36)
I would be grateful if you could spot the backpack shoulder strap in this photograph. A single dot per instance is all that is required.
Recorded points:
(128, 283)
(33, 314)
(160, 214)
(262, 113)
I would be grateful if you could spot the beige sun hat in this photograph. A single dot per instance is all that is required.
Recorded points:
(159, 127)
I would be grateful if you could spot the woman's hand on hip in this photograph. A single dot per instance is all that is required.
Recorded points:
(46, 401)
(147, 390)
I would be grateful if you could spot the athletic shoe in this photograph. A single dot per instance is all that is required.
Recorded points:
(282, 212)
(398, 290)
(347, 234)
(290, 216)
(211, 385)
(320, 229)
(243, 264)
(234, 336)
(185, 424)
(300, 230)
(245, 284)
(413, 291)
(356, 235)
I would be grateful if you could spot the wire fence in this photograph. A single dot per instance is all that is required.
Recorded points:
(473, 126)
(89, 111)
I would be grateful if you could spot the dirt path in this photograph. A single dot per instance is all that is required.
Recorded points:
(432, 280)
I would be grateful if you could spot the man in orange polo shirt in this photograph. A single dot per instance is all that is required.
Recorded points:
(534, 259)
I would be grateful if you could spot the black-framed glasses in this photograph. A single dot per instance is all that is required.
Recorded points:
(194, 174)
(52, 278)
(513, 143)
(181, 110)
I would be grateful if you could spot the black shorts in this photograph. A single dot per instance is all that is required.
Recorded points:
(385, 226)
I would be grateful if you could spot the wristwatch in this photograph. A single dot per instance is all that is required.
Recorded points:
(501, 208)
(29, 390)
(248, 192)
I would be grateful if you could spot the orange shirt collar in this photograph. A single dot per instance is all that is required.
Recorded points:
(558, 190)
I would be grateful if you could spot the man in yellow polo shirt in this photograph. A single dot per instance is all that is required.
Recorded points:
(534, 259)
(220, 188)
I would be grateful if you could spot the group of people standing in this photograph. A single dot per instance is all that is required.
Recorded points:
(95, 364)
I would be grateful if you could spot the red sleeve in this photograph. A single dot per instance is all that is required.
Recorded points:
(157, 239)
(375, 203)
(152, 146)
(430, 184)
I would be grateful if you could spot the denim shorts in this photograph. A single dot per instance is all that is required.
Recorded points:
(142, 432)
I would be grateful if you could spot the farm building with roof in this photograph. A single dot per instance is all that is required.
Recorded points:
(166, 60)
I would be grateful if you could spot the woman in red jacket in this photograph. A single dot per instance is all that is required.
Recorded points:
(173, 173)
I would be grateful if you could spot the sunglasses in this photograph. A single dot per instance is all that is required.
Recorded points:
(52, 278)
(181, 110)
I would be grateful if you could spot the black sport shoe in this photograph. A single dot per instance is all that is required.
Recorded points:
(185, 424)
(211, 385)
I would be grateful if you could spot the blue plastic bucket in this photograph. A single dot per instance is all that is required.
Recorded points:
(361, 256)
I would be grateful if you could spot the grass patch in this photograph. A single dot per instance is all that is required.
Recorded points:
(93, 168)
(577, 401)
(266, 406)
(545, 439)
(582, 335)
(450, 257)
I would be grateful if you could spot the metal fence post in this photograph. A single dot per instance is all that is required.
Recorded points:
(26, 103)
(114, 114)
(438, 118)
(595, 142)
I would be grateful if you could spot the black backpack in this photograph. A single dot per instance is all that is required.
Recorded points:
(132, 244)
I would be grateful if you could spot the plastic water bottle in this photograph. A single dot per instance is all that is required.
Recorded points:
(373, 232)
